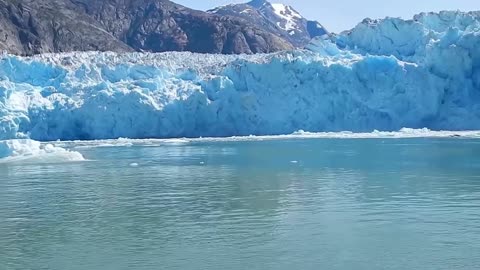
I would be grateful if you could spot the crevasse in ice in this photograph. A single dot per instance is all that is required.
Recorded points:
(382, 75)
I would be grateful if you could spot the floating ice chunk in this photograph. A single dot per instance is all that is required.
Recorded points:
(34, 151)
(403, 133)
(177, 141)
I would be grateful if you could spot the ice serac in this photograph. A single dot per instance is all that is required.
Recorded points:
(416, 39)
(427, 76)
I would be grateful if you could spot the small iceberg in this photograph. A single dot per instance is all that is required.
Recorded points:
(27, 150)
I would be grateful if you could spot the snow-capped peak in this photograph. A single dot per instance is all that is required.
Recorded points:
(277, 18)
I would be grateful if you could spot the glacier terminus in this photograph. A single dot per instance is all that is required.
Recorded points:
(382, 75)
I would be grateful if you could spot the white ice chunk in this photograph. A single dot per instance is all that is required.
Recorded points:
(34, 151)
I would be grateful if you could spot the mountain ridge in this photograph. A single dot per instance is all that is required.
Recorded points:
(30, 27)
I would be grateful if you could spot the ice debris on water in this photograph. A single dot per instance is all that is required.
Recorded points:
(29, 150)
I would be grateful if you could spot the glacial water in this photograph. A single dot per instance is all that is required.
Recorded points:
(249, 204)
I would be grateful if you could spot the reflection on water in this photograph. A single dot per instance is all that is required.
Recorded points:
(306, 204)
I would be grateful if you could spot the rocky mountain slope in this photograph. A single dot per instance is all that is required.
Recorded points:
(283, 20)
(39, 26)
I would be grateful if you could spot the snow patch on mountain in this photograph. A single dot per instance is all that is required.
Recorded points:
(288, 15)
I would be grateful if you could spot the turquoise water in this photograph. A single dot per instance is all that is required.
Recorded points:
(275, 204)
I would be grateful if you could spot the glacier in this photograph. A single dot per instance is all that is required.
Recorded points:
(382, 75)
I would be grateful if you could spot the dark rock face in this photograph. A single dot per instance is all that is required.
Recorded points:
(282, 20)
(38, 26)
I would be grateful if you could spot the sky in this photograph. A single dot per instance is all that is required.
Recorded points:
(339, 15)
